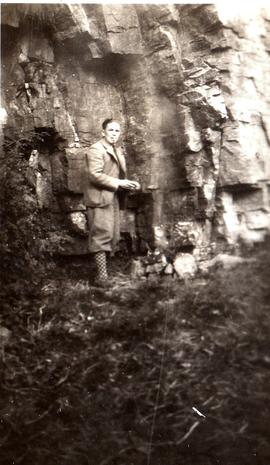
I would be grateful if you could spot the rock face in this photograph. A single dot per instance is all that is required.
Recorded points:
(189, 85)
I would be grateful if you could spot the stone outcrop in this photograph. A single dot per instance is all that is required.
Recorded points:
(189, 84)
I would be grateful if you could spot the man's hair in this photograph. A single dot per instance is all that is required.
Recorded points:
(108, 121)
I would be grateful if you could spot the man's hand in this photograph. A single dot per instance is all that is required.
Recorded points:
(129, 185)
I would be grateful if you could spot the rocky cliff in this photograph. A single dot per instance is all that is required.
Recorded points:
(190, 86)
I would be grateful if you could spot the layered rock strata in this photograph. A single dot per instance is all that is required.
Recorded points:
(189, 85)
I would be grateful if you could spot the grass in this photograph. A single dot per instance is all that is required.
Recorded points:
(124, 375)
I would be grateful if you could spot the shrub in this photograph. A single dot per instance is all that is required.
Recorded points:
(23, 264)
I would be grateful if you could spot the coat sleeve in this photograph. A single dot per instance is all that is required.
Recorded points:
(95, 164)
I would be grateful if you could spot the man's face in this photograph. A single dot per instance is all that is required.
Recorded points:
(112, 132)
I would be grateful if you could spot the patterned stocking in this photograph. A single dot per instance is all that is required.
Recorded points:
(101, 264)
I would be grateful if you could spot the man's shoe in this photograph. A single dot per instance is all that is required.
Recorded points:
(103, 283)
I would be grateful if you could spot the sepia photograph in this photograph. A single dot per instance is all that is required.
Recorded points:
(135, 233)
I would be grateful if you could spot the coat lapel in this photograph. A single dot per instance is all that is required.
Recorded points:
(116, 153)
(109, 149)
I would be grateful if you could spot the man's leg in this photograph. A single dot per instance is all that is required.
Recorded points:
(101, 265)
(101, 232)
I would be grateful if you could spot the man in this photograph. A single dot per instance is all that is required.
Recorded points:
(106, 171)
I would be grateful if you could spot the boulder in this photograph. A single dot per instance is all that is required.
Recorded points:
(169, 270)
(78, 223)
(185, 265)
